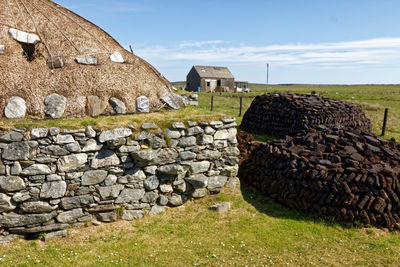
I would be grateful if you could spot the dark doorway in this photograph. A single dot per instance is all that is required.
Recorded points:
(28, 51)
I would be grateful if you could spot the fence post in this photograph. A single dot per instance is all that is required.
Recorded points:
(385, 121)
(212, 103)
(241, 105)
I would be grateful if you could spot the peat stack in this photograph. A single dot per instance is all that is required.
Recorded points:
(246, 144)
(289, 113)
(340, 173)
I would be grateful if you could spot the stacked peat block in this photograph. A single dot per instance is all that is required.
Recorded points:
(289, 114)
(331, 172)
(246, 144)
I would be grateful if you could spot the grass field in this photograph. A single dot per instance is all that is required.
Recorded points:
(163, 119)
(256, 232)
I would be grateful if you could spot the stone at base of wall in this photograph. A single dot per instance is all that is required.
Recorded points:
(221, 207)
(4, 239)
(233, 183)
(53, 235)
(52, 178)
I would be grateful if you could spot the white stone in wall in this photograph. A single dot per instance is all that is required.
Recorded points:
(170, 102)
(142, 104)
(117, 57)
(15, 108)
(1, 49)
(87, 60)
(24, 37)
(55, 105)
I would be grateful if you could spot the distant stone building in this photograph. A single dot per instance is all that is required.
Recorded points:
(209, 79)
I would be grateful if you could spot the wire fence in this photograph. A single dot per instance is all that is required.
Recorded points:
(212, 106)
(237, 97)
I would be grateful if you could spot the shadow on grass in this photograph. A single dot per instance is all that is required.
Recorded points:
(272, 208)
(269, 206)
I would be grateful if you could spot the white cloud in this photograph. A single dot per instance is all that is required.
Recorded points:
(380, 51)
(199, 43)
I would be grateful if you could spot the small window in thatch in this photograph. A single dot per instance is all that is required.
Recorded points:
(28, 51)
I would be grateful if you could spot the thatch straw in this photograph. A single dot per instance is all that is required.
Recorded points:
(66, 34)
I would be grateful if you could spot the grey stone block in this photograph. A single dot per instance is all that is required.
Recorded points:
(55, 105)
(86, 60)
(221, 207)
(53, 235)
(70, 216)
(53, 190)
(156, 210)
(36, 207)
(37, 133)
(107, 216)
(18, 151)
(94, 177)
(12, 183)
(72, 162)
(11, 137)
(68, 203)
(15, 220)
(170, 102)
(142, 105)
(112, 135)
(105, 158)
(15, 108)
(130, 215)
(118, 106)
(129, 195)
(55, 63)
(5, 203)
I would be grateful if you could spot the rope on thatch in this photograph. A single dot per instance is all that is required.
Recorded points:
(35, 7)
(36, 29)
(94, 37)
(124, 81)
(7, 25)
(13, 18)
(80, 26)
(65, 55)
(20, 14)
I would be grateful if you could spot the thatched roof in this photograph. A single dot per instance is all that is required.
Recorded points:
(65, 34)
(213, 72)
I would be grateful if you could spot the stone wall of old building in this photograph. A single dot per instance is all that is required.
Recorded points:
(51, 179)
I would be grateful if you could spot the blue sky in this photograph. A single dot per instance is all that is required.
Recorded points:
(305, 41)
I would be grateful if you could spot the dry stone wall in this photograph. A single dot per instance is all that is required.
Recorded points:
(52, 178)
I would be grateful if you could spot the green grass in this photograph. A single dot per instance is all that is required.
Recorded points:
(163, 119)
(256, 232)
(372, 98)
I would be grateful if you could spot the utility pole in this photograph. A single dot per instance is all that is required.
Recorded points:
(266, 89)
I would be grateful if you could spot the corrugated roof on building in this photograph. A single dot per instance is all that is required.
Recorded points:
(214, 72)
